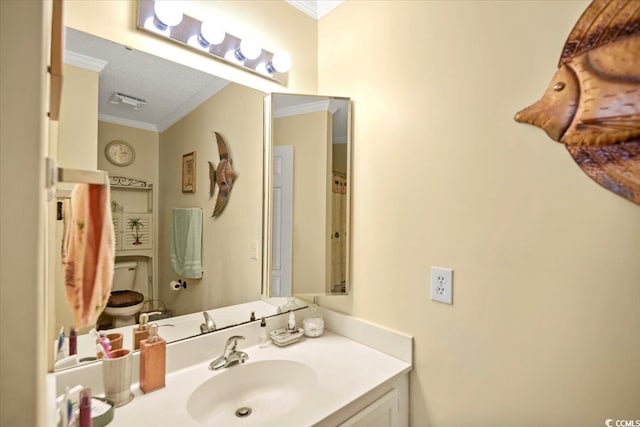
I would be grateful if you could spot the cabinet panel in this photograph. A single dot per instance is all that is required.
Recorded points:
(134, 231)
(381, 413)
(137, 231)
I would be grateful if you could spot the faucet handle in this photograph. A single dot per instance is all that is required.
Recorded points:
(232, 342)
(209, 325)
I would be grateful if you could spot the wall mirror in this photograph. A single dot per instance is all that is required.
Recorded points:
(308, 160)
(163, 110)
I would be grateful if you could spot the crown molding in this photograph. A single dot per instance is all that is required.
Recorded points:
(84, 61)
(126, 122)
(326, 6)
(191, 104)
(310, 107)
(315, 8)
(306, 7)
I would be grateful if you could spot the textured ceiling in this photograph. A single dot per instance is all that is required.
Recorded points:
(171, 90)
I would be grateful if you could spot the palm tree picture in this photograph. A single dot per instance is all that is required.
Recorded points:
(135, 224)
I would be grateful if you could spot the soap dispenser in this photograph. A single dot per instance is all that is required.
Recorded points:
(142, 331)
(291, 324)
(263, 338)
(153, 358)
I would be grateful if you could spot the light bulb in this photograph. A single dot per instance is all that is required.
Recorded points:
(263, 68)
(232, 56)
(152, 24)
(168, 12)
(212, 33)
(197, 42)
(250, 49)
(281, 62)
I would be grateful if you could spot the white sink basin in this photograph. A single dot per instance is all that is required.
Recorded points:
(270, 389)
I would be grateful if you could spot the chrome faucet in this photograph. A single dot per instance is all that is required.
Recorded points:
(231, 356)
(209, 325)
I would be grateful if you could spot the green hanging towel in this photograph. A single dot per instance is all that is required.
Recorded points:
(186, 242)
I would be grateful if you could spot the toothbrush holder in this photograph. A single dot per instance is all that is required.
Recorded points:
(115, 340)
(116, 376)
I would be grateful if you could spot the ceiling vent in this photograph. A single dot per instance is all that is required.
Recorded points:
(119, 98)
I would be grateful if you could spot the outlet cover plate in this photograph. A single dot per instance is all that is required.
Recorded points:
(442, 285)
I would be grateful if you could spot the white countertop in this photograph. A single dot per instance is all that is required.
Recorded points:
(346, 370)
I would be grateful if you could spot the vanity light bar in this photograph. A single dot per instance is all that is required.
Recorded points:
(183, 29)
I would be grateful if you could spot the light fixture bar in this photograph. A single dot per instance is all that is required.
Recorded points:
(187, 32)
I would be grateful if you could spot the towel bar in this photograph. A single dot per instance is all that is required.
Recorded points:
(55, 174)
(83, 176)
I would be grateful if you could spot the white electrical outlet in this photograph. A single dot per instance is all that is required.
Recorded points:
(442, 285)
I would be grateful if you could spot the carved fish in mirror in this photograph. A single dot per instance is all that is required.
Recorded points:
(223, 176)
(592, 104)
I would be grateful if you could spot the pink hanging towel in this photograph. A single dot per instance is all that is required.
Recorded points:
(89, 253)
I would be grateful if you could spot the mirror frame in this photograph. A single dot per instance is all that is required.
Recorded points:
(267, 202)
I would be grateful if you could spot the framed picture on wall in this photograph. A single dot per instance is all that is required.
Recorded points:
(189, 172)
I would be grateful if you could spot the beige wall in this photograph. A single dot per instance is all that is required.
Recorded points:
(309, 134)
(78, 125)
(339, 157)
(23, 144)
(145, 143)
(76, 133)
(230, 276)
(275, 23)
(544, 326)
(145, 166)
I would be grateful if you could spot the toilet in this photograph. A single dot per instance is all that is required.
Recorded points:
(124, 303)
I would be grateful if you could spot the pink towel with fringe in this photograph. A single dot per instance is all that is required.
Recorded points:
(89, 249)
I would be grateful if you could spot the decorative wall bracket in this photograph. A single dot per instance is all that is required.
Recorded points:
(125, 181)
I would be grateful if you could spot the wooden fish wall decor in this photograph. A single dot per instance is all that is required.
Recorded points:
(223, 176)
(592, 105)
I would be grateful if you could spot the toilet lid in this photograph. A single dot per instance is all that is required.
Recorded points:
(124, 298)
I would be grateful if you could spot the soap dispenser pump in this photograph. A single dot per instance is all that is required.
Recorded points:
(142, 331)
(263, 338)
(291, 324)
(153, 358)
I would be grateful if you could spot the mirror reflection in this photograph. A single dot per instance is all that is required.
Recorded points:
(146, 114)
(309, 209)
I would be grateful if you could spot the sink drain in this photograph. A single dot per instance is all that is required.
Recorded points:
(243, 412)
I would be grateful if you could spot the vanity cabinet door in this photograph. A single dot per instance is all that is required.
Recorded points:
(383, 412)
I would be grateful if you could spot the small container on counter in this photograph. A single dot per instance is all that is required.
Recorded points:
(313, 323)
(84, 407)
(153, 358)
(142, 331)
(283, 336)
(263, 337)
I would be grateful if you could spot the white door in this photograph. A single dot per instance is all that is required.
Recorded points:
(282, 221)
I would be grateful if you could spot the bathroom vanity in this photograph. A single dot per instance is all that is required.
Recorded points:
(355, 374)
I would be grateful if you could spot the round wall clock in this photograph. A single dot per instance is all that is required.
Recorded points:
(120, 153)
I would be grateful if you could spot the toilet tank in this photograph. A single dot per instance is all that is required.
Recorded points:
(124, 276)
